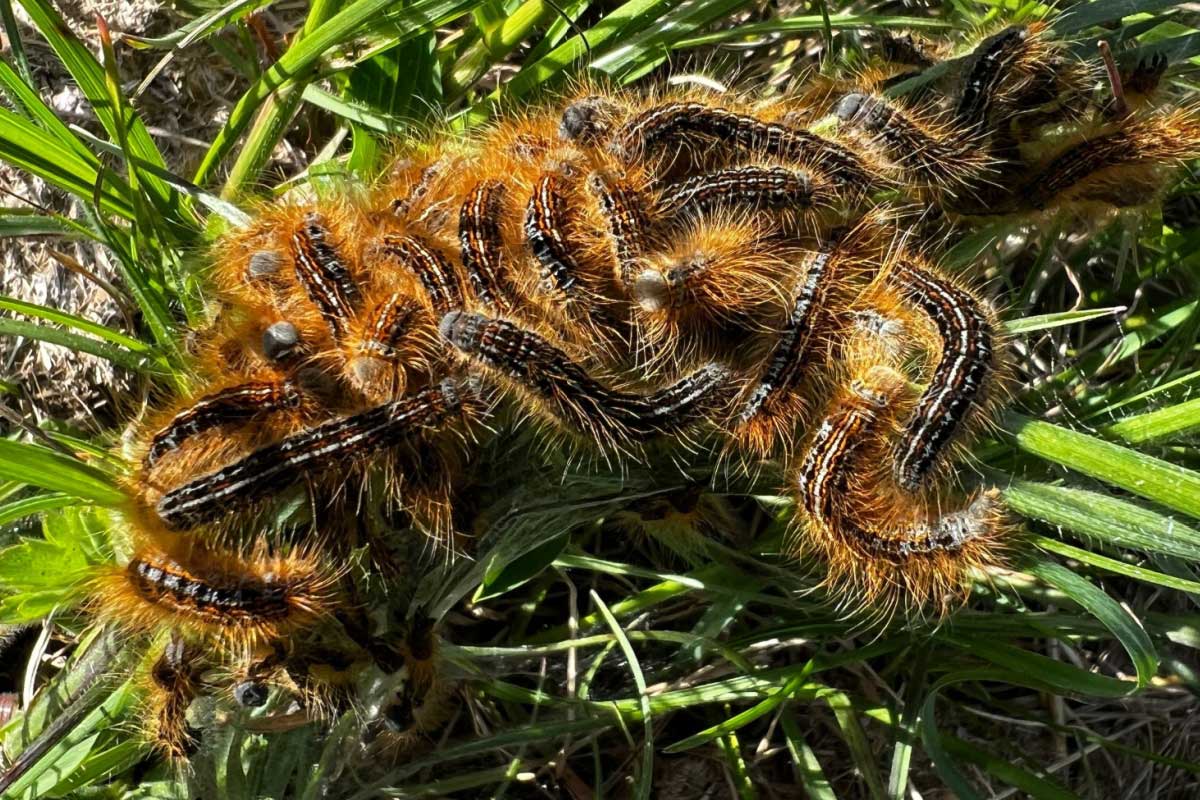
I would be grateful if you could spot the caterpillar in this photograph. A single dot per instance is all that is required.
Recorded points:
(173, 681)
(236, 597)
(885, 551)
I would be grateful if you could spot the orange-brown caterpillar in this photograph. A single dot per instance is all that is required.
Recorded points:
(174, 681)
(275, 466)
(884, 549)
(967, 361)
(234, 596)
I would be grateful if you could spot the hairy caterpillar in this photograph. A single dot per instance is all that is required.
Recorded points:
(173, 681)
(236, 597)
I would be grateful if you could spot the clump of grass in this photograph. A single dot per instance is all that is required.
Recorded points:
(585, 662)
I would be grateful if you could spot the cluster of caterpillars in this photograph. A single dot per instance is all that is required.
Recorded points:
(631, 273)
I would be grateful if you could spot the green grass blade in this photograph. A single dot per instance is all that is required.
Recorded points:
(26, 507)
(39, 466)
(856, 739)
(199, 28)
(1161, 481)
(1117, 567)
(1035, 786)
(1127, 628)
(122, 357)
(805, 764)
(89, 75)
(27, 146)
(645, 777)
(77, 322)
(30, 103)
(1043, 322)
(303, 57)
(1026, 666)
(809, 24)
(649, 47)
(1180, 419)
(1105, 518)
(745, 717)
(19, 222)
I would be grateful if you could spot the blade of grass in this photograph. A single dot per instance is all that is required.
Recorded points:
(28, 146)
(39, 466)
(1043, 322)
(1127, 628)
(1180, 419)
(122, 357)
(809, 24)
(805, 764)
(89, 75)
(856, 739)
(304, 56)
(644, 780)
(79, 323)
(1104, 518)
(1117, 567)
(746, 717)
(28, 506)
(1161, 481)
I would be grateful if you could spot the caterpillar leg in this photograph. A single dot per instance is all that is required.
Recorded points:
(883, 547)
(609, 417)
(174, 681)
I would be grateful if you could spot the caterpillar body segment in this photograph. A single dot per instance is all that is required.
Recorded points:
(625, 217)
(926, 152)
(995, 61)
(1020, 74)
(235, 597)
(719, 290)
(482, 243)
(693, 125)
(792, 193)
(1125, 166)
(231, 406)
